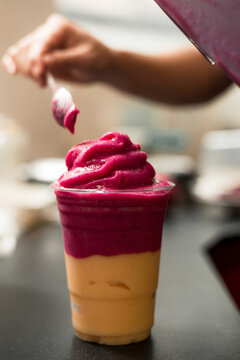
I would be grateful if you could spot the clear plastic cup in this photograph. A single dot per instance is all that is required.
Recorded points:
(112, 242)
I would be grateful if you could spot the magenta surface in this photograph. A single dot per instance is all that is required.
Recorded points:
(110, 162)
(111, 224)
(99, 214)
(214, 26)
(70, 118)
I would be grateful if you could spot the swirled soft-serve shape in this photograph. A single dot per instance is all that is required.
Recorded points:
(110, 162)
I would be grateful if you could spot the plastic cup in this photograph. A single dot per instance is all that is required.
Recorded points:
(112, 242)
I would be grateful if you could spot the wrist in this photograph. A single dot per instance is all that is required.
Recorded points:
(110, 69)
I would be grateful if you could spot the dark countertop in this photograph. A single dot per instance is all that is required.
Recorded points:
(195, 316)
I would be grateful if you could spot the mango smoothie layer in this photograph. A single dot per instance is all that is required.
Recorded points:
(112, 212)
(116, 294)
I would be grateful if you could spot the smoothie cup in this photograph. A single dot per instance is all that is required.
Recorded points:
(112, 241)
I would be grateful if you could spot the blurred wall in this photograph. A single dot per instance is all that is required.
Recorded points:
(102, 108)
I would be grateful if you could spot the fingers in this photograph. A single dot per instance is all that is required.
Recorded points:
(59, 61)
(9, 65)
(13, 60)
(58, 46)
(69, 65)
(25, 57)
(20, 59)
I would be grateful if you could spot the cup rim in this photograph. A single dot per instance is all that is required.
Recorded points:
(146, 189)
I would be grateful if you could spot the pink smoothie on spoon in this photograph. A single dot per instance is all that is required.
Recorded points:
(112, 212)
(212, 25)
(64, 110)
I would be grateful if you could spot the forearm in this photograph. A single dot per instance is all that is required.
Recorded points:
(179, 78)
(70, 53)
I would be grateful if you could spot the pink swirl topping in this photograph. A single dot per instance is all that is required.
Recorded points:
(111, 162)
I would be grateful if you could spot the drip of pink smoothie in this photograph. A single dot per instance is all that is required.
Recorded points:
(109, 202)
(214, 26)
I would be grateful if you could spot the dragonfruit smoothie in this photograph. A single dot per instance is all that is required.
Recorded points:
(112, 212)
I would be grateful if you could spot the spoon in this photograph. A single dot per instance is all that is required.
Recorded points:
(63, 108)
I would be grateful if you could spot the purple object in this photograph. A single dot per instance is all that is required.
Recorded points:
(213, 27)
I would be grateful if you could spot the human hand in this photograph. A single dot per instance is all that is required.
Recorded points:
(61, 47)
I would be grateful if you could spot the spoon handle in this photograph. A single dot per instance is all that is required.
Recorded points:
(51, 82)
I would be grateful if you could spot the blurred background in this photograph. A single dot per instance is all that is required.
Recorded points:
(138, 25)
(198, 146)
